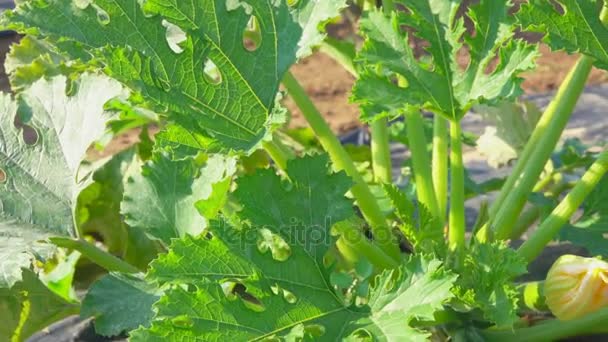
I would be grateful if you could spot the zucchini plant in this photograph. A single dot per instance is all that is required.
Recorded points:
(223, 225)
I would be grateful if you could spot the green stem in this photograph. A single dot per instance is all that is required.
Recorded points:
(381, 152)
(278, 152)
(552, 330)
(562, 213)
(539, 149)
(524, 222)
(96, 255)
(440, 162)
(456, 215)
(342, 161)
(421, 163)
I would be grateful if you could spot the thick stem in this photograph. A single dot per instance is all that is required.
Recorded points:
(440, 162)
(421, 163)
(538, 150)
(552, 330)
(96, 255)
(530, 249)
(457, 220)
(342, 161)
(381, 152)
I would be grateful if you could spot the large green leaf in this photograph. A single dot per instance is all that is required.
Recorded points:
(436, 81)
(229, 286)
(189, 58)
(39, 187)
(571, 25)
(161, 198)
(273, 298)
(119, 303)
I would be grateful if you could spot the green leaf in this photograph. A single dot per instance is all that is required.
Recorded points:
(119, 303)
(29, 306)
(418, 226)
(39, 190)
(262, 310)
(32, 59)
(209, 80)
(225, 286)
(556, 20)
(486, 282)
(436, 82)
(161, 198)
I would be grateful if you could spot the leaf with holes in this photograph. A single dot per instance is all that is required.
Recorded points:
(190, 59)
(570, 25)
(40, 160)
(439, 83)
(229, 286)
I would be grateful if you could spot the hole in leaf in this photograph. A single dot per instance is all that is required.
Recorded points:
(82, 4)
(558, 7)
(361, 335)
(211, 72)
(314, 330)
(175, 36)
(182, 321)
(269, 241)
(102, 16)
(3, 176)
(30, 135)
(287, 295)
(248, 299)
(252, 35)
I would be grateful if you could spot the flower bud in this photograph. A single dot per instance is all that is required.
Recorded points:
(576, 286)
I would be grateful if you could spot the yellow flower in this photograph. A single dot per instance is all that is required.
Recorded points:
(576, 286)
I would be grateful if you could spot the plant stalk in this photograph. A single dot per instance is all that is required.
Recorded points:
(538, 150)
(421, 163)
(552, 330)
(381, 152)
(96, 255)
(440, 162)
(457, 227)
(342, 161)
(530, 249)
